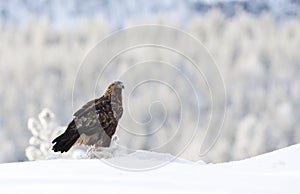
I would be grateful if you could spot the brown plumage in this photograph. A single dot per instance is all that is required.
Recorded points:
(95, 123)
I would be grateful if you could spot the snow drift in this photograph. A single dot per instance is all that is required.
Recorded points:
(275, 172)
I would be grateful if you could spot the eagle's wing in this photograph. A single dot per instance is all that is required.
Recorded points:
(96, 114)
(84, 108)
(95, 117)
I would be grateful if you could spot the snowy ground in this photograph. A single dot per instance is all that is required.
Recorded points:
(275, 172)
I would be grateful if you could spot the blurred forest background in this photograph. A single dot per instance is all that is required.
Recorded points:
(256, 45)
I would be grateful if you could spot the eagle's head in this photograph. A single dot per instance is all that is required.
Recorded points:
(115, 87)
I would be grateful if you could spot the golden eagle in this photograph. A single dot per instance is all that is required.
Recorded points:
(95, 123)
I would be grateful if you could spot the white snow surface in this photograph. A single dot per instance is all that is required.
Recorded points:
(275, 172)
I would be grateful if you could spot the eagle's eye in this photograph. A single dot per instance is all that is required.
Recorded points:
(120, 85)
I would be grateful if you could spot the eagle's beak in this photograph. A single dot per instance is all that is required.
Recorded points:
(121, 85)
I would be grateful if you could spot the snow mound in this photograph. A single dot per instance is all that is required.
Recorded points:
(286, 159)
(144, 160)
(275, 172)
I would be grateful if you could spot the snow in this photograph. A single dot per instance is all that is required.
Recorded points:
(275, 172)
(61, 13)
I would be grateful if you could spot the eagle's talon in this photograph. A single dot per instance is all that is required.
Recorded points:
(115, 140)
(100, 153)
(90, 150)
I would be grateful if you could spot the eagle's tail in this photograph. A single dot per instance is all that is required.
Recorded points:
(66, 140)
